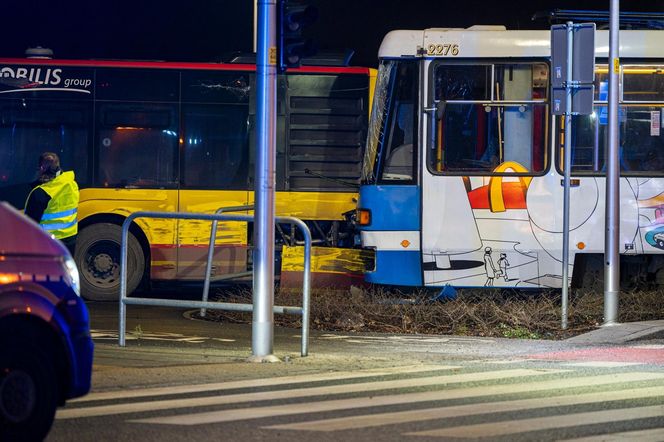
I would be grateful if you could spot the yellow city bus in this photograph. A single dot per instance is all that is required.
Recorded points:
(161, 136)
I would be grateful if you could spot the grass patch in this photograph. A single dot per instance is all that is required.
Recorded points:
(494, 313)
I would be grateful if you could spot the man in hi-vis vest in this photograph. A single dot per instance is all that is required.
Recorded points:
(53, 202)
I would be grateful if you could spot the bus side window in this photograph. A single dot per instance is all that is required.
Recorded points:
(137, 145)
(29, 127)
(216, 146)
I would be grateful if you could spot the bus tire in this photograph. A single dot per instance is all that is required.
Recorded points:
(98, 261)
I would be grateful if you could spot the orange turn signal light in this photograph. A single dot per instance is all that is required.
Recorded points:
(363, 217)
(8, 278)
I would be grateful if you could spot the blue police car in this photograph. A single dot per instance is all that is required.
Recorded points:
(45, 344)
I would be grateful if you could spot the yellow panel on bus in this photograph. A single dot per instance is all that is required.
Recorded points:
(315, 206)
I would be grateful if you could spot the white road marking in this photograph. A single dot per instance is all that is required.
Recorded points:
(505, 361)
(133, 335)
(652, 435)
(102, 410)
(298, 393)
(502, 428)
(252, 383)
(602, 364)
(380, 419)
(406, 398)
(416, 339)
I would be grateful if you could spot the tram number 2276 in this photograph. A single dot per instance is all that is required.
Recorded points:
(443, 49)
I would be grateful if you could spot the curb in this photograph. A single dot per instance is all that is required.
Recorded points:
(622, 333)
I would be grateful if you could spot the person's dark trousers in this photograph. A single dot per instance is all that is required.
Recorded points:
(70, 243)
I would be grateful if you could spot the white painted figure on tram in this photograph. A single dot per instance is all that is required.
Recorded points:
(489, 267)
(503, 264)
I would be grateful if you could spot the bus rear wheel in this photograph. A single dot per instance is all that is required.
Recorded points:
(98, 261)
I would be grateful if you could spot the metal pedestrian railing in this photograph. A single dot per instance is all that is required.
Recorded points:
(205, 304)
(208, 265)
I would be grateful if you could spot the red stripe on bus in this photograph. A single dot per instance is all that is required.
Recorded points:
(177, 65)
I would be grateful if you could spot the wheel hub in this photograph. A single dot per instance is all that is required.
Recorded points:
(17, 396)
(103, 263)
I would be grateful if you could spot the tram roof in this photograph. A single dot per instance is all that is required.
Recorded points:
(496, 41)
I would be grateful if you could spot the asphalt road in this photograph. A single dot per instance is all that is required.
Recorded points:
(180, 379)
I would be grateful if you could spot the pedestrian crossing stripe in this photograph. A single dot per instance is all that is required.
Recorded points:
(602, 364)
(255, 383)
(448, 379)
(446, 412)
(557, 388)
(503, 428)
(256, 412)
(651, 435)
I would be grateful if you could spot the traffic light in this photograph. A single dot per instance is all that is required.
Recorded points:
(292, 45)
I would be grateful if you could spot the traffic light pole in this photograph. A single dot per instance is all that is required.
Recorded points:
(262, 333)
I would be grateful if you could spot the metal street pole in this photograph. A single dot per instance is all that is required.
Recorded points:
(262, 336)
(612, 218)
(573, 68)
(567, 172)
(255, 25)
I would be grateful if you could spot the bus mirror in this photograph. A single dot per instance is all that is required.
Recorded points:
(440, 109)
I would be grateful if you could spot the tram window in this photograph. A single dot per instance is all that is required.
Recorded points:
(137, 145)
(640, 118)
(376, 130)
(643, 83)
(641, 142)
(216, 146)
(463, 82)
(398, 153)
(30, 127)
(491, 115)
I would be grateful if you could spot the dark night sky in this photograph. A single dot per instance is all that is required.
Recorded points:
(202, 30)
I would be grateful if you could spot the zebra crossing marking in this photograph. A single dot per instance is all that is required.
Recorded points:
(256, 412)
(101, 410)
(252, 383)
(503, 428)
(601, 364)
(652, 435)
(381, 419)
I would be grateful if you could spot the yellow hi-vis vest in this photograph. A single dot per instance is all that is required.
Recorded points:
(60, 216)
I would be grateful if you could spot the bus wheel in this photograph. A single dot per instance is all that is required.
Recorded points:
(98, 261)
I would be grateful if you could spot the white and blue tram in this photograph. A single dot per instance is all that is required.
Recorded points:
(462, 179)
